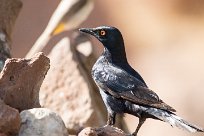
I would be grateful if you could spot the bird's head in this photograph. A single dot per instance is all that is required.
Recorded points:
(109, 36)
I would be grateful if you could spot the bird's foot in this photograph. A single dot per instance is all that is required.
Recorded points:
(109, 123)
(111, 119)
(106, 125)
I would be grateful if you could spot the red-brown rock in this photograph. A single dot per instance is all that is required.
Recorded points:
(20, 81)
(9, 120)
(102, 131)
(2, 134)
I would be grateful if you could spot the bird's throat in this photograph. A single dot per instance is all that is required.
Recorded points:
(116, 56)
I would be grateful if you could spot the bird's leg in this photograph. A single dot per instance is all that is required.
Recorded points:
(141, 121)
(111, 119)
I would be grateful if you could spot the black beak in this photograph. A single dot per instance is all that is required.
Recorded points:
(88, 31)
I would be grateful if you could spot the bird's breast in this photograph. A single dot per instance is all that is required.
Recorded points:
(99, 74)
(98, 71)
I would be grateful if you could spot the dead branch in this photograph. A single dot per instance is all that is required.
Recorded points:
(65, 17)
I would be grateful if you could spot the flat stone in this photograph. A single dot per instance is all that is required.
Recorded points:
(41, 122)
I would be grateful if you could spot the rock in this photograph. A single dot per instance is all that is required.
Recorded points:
(9, 120)
(2, 134)
(41, 122)
(9, 10)
(20, 81)
(88, 132)
(102, 131)
(68, 91)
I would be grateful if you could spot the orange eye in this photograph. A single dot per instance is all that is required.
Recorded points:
(102, 32)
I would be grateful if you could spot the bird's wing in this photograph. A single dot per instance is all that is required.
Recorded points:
(120, 84)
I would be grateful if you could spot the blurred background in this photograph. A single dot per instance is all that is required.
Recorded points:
(164, 43)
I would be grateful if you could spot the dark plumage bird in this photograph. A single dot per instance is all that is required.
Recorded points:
(122, 88)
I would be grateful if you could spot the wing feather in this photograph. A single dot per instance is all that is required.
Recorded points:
(120, 84)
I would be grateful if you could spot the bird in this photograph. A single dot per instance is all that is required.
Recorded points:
(68, 16)
(123, 89)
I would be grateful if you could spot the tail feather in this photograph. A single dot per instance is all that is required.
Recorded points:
(180, 123)
(174, 120)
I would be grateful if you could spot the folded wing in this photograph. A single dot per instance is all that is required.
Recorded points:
(120, 84)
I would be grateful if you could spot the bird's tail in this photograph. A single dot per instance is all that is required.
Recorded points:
(174, 120)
